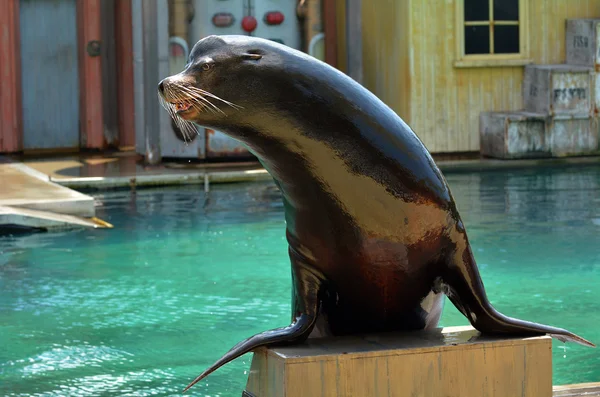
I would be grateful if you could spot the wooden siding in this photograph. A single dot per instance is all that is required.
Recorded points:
(386, 61)
(340, 25)
(440, 102)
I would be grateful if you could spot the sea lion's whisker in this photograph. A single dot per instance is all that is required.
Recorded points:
(195, 97)
(191, 98)
(203, 93)
(206, 93)
(184, 126)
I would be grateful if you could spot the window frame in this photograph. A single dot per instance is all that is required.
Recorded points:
(487, 60)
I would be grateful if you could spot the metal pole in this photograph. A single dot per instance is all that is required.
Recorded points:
(151, 79)
(109, 72)
(138, 75)
(354, 39)
(163, 68)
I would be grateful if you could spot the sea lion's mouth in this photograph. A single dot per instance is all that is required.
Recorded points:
(181, 107)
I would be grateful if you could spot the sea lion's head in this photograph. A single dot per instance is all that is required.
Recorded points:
(226, 79)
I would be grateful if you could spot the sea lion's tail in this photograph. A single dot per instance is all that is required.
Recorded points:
(467, 293)
(297, 330)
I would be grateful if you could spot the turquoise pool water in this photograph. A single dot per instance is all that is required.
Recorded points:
(141, 309)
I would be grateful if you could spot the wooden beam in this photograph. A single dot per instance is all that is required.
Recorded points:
(11, 131)
(581, 389)
(453, 361)
(90, 75)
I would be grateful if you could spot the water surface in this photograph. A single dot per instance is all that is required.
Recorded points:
(143, 308)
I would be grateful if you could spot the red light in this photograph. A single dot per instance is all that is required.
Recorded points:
(223, 19)
(274, 18)
(177, 51)
(249, 23)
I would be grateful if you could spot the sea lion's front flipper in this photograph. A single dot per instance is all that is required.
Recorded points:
(305, 304)
(467, 293)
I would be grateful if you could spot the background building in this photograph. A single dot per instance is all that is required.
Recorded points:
(76, 74)
(441, 63)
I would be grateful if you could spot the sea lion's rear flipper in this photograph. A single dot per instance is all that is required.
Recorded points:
(305, 304)
(467, 293)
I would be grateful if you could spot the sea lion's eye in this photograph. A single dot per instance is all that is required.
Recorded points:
(207, 66)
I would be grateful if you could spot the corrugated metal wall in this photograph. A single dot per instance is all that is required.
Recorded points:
(109, 73)
(49, 74)
(444, 102)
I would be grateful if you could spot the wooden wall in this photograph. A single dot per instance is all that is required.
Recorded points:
(409, 51)
(386, 53)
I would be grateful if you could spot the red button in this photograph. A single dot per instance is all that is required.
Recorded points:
(249, 23)
(274, 18)
(222, 19)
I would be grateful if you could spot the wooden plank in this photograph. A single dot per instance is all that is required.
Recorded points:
(581, 389)
(454, 361)
(11, 133)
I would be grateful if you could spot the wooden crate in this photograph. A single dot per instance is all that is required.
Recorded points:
(583, 48)
(448, 362)
(559, 89)
(582, 41)
(573, 135)
(513, 135)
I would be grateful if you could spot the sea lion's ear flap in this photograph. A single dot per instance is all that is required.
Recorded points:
(252, 55)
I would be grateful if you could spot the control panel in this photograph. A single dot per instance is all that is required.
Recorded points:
(270, 19)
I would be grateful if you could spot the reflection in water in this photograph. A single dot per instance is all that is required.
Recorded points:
(141, 309)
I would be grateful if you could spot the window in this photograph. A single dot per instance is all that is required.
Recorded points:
(491, 33)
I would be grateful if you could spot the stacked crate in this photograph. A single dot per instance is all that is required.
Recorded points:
(561, 104)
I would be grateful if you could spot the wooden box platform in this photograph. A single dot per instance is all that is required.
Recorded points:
(446, 362)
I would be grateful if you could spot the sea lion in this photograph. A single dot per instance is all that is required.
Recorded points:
(375, 238)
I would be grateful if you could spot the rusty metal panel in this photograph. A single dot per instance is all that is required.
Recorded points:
(90, 74)
(558, 89)
(513, 135)
(583, 41)
(50, 74)
(570, 136)
(10, 75)
(219, 145)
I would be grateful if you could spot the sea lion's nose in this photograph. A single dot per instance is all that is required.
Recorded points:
(161, 86)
